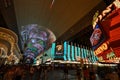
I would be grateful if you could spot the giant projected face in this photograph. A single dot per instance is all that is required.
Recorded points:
(35, 41)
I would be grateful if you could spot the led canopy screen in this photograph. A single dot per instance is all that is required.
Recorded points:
(35, 40)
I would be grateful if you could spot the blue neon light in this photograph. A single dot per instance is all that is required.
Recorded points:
(82, 52)
(85, 53)
(65, 50)
(76, 51)
(69, 53)
(79, 52)
(53, 50)
(73, 57)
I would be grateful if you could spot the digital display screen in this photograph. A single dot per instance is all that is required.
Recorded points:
(97, 37)
(36, 40)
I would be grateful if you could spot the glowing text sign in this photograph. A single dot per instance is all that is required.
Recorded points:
(100, 49)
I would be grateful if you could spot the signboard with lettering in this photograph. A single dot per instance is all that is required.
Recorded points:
(59, 50)
(104, 52)
(109, 49)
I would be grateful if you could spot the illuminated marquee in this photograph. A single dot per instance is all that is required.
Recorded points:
(100, 49)
(111, 55)
(109, 22)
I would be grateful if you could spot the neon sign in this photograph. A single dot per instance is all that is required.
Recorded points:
(100, 58)
(111, 55)
(102, 48)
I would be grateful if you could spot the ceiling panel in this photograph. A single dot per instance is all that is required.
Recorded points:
(59, 18)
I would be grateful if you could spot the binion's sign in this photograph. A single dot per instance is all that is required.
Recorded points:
(100, 49)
